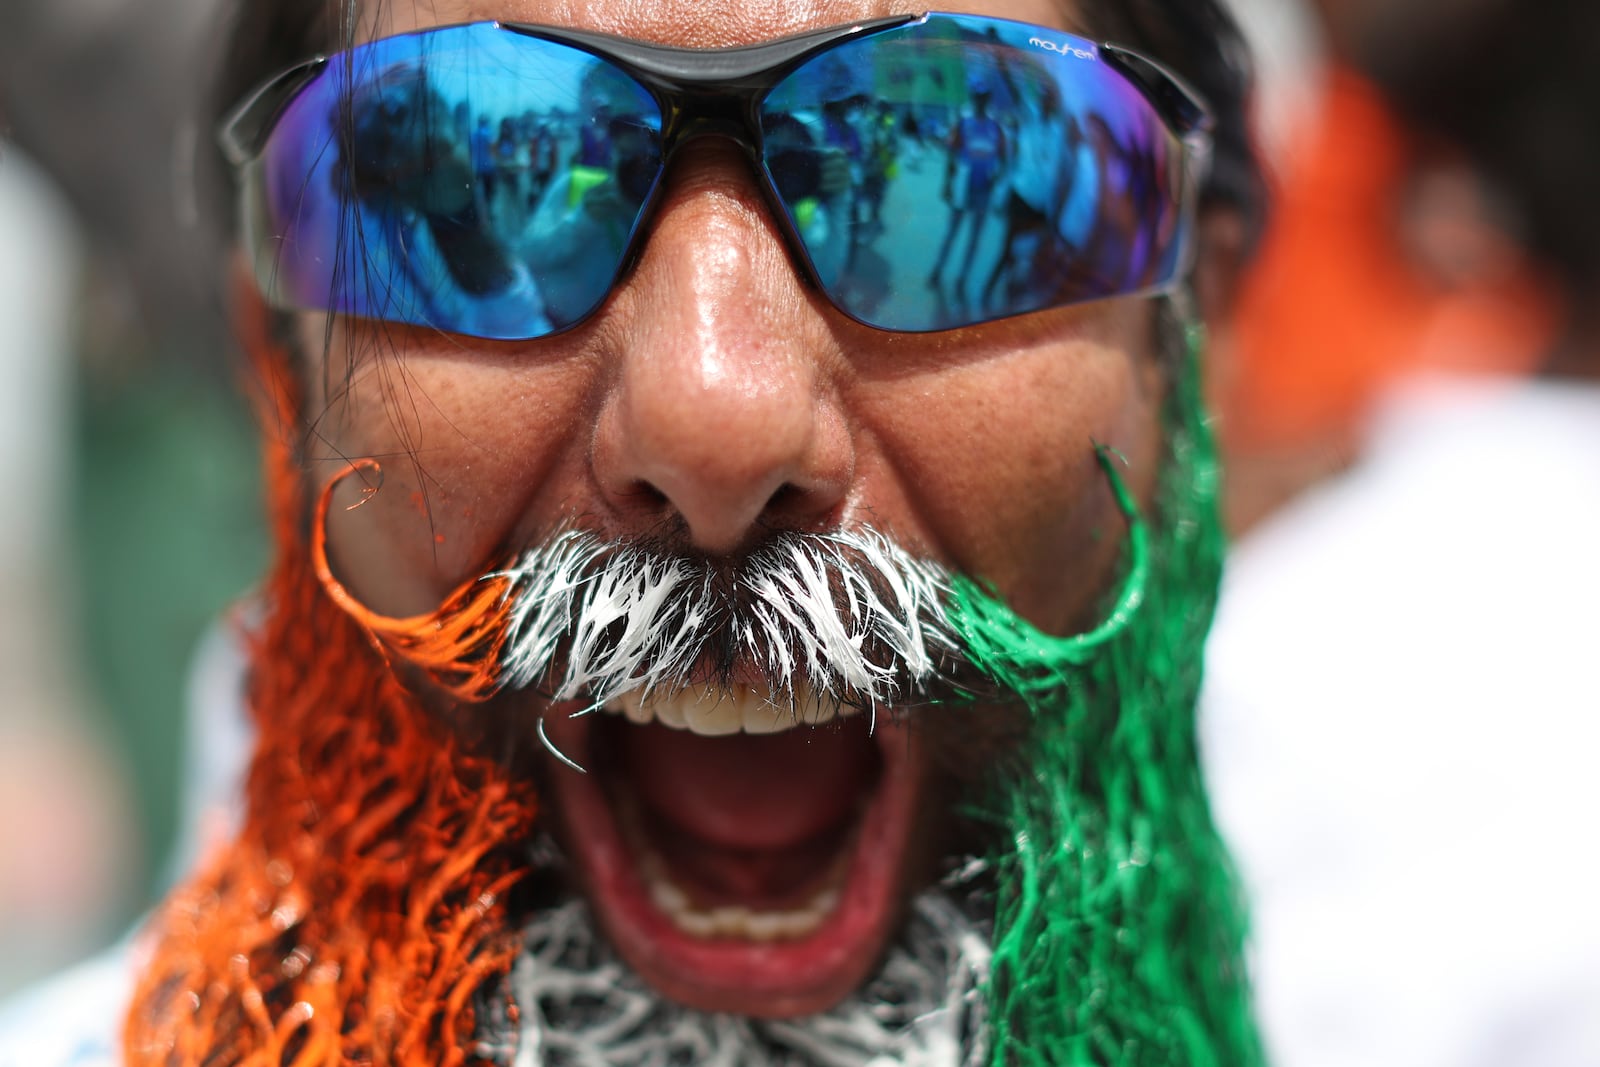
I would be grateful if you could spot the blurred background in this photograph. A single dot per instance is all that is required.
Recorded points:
(1393, 256)
(127, 461)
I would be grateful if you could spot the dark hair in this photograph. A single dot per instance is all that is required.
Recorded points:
(1197, 38)
(1516, 86)
(1200, 40)
(266, 36)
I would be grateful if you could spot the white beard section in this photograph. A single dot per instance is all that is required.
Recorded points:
(582, 1007)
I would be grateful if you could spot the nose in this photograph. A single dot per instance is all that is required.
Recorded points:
(725, 414)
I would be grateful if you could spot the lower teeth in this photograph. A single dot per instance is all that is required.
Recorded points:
(735, 921)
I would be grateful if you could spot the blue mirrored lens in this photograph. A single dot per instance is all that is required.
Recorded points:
(957, 170)
(470, 179)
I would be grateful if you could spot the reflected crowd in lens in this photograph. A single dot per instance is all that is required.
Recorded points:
(932, 176)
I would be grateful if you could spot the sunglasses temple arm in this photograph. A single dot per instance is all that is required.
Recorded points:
(1176, 100)
(243, 132)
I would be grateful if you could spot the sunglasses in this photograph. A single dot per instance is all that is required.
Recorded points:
(926, 172)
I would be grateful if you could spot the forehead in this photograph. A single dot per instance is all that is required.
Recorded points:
(695, 23)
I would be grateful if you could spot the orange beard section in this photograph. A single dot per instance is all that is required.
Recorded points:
(457, 647)
(363, 904)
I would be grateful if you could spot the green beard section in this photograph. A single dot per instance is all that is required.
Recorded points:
(1119, 924)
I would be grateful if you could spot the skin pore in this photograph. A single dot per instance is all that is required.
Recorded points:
(715, 398)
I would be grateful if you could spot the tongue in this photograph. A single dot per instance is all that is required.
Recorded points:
(751, 793)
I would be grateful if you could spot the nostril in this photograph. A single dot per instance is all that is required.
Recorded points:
(783, 503)
(649, 512)
(645, 493)
(790, 507)
(642, 498)
(786, 494)
(793, 507)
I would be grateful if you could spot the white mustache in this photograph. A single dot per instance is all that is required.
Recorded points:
(853, 616)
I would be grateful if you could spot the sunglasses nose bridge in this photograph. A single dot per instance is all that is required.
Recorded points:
(687, 125)
(737, 124)
(695, 112)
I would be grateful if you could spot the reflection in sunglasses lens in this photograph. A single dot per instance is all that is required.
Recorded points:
(939, 174)
(990, 173)
(490, 184)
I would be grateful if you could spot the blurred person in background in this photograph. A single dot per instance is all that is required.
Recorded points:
(1400, 713)
(68, 847)
(118, 419)
(1383, 258)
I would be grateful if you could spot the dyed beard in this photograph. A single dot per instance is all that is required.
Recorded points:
(1116, 925)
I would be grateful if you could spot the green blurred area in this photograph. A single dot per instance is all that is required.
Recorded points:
(168, 529)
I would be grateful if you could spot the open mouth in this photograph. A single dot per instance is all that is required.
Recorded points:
(743, 854)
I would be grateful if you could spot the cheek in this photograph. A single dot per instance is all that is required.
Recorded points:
(478, 447)
(997, 461)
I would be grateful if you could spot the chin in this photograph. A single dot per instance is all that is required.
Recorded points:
(741, 856)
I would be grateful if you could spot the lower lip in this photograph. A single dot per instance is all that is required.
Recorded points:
(775, 979)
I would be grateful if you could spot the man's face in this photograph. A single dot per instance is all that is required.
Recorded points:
(713, 400)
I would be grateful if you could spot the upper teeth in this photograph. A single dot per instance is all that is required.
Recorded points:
(713, 712)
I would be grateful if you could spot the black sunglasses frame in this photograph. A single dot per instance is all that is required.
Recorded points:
(719, 92)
